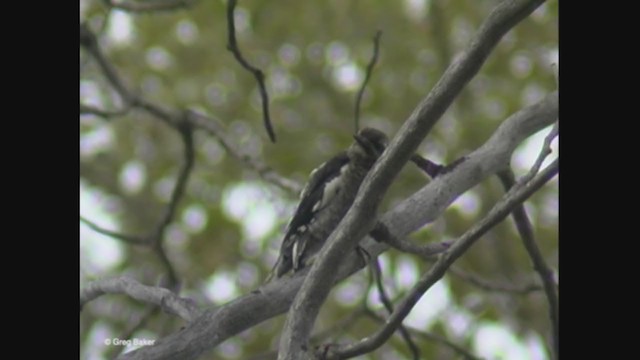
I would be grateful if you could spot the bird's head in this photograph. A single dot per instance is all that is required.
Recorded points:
(369, 143)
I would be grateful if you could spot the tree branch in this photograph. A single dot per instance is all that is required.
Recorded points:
(539, 264)
(232, 45)
(166, 299)
(131, 239)
(388, 305)
(493, 286)
(382, 234)
(361, 217)
(372, 63)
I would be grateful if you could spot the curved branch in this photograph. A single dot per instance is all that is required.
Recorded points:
(272, 299)
(361, 217)
(232, 46)
(169, 301)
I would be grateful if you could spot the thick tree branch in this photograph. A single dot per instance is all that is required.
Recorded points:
(499, 212)
(232, 45)
(272, 299)
(166, 299)
(361, 217)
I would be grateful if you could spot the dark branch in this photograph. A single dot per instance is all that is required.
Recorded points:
(131, 239)
(382, 234)
(232, 45)
(106, 114)
(372, 63)
(539, 264)
(90, 42)
(186, 132)
(427, 166)
(493, 286)
(388, 305)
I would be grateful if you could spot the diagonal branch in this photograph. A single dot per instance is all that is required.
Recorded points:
(131, 239)
(487, 285)
(372, 63)
(232, 45)
(361, 217)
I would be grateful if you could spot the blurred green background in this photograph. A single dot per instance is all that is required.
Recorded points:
(229, 225)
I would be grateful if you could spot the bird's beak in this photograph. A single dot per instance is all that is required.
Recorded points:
(361, 141)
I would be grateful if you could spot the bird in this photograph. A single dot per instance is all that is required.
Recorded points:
(325, 200)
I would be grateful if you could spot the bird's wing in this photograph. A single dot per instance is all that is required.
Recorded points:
(313, 191)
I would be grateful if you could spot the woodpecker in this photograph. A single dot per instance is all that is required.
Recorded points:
(325, 200)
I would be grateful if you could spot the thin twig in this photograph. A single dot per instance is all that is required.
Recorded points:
(186, 132)
(544, 152)
(384, 298)
(382, 234)
(232, 45)
(131, 239)
(523, 224)
(90, 42)
(493, 286)
(106, 114)
(372, 63)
